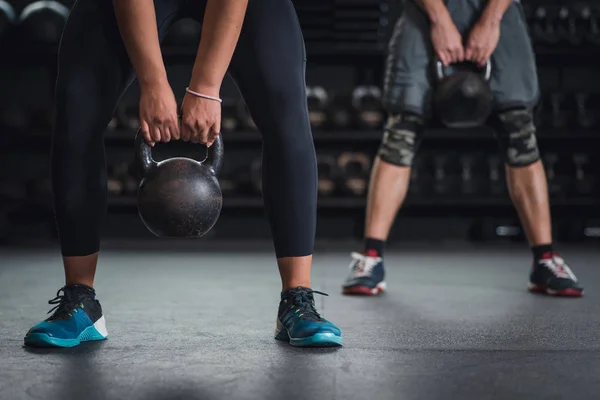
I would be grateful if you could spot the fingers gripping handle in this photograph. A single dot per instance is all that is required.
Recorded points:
(145, 163)
(143, 155)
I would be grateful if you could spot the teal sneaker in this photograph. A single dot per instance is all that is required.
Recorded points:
(77, 318)
(299, 323)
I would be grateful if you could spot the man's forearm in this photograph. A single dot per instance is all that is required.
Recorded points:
(435, 9)
(221, 28)
(494, 10)
(137, 24)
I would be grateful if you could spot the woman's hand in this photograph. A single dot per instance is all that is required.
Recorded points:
(158, 113)
(200, 119)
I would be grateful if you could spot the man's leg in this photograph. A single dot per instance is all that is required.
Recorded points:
(515, 86)
(268, 67)
(526, 179)
(389, 182)
(405, 96)
(94, 71)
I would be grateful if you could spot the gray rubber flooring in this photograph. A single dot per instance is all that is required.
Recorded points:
(191, 325)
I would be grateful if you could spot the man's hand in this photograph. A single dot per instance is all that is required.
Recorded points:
(482, 41)
(200, 119)
(447, 42)
(158, 113)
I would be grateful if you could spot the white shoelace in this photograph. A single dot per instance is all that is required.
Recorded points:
(362, 265)
(558, 267)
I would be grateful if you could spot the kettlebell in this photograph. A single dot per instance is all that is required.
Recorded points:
(7, 17)
(43, 21)
(463, 98)
(366, 100)
(179, 197)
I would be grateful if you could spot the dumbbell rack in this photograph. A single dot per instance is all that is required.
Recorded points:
(332, 49)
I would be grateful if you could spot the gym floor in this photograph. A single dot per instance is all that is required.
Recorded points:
(456, 323)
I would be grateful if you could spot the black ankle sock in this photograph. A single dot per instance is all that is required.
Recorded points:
(374, 247)
(540, 250)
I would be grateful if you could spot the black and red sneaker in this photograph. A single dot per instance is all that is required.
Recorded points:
(366, 275)
(552, 276)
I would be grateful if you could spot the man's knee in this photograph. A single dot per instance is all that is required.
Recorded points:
(515, 131)
(403, 133)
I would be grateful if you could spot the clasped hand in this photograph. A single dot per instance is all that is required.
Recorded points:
(448, 44)
(200, 118)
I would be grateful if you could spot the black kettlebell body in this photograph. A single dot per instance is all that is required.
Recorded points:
(463, 98)
(179, 197)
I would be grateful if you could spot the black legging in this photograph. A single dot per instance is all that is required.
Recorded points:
(268, 67)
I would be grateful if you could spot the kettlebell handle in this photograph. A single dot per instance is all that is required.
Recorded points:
(145, 162)
(440, 70)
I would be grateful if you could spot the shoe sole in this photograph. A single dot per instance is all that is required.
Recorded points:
(317, 340)
(365, 290)
(91, 333)
(570, 292)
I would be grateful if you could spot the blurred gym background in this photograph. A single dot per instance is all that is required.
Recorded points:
(457, 189)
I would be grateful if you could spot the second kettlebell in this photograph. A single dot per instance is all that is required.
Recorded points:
(463, 97)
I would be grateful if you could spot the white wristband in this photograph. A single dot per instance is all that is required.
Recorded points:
(204, 96)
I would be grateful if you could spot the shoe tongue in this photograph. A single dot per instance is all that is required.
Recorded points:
(77, 288)
(371, 253)
(547, 255)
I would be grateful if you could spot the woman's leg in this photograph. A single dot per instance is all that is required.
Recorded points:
(94, 72)
(268, 67)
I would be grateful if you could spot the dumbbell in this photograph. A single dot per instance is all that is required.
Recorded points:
(40, 190)
(340, 112)
(244, 115)
(496, 176)
(496, 229)
(542, 29)
(557, 184)
(538, 113)
(366, 100)
(15, 117)
(327, 174)
(420, 176)
(185, 32)
(128, 116)
(558, 117)
(445, 176)
(584, 117)
(354, 171)
(129, 183)
(114, 186)
(113, 124)
(568, 30)
(585, 182)
(43, 21)
(42, 119)
(227, 180)
(256, 175)
(317, 100)
(579, 230)
(229, 121)
(589, 17)
(8, 17)
(13, 192)
(472, 175)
